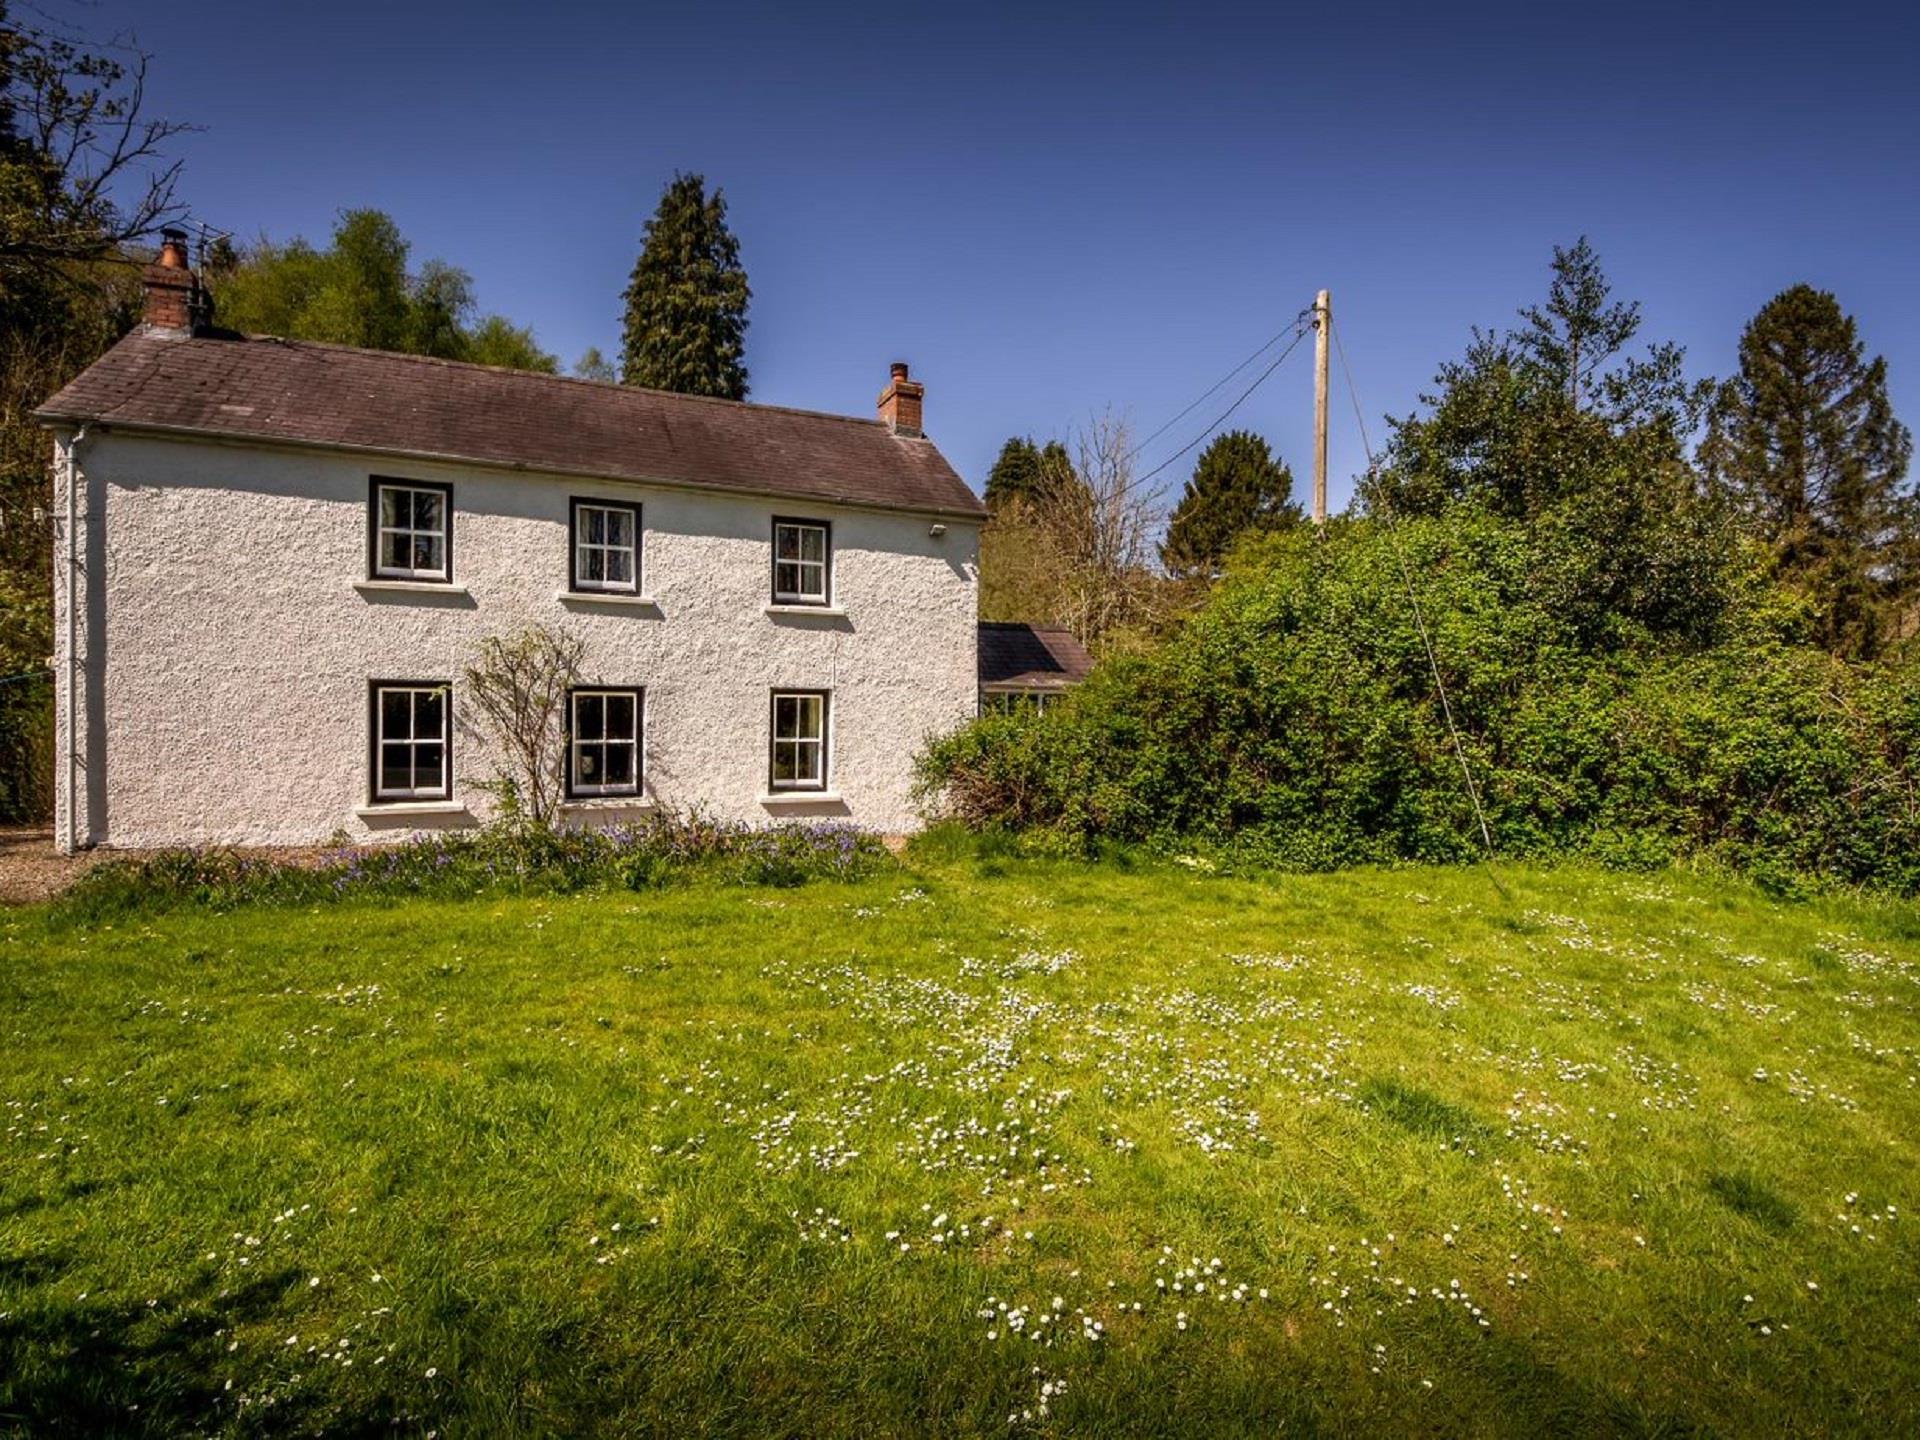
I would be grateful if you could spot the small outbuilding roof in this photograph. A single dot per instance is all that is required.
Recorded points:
(296, 392)
(1018, 656)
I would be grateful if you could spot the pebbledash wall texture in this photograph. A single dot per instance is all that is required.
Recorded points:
(227, 632)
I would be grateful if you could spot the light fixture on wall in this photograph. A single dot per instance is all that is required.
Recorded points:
(936, 529)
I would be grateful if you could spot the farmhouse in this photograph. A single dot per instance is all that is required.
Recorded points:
(275, 559)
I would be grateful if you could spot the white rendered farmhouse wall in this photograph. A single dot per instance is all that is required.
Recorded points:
(228, 629)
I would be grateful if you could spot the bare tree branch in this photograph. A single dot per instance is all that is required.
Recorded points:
(87, 172)
(1084, 541)
(519, 686)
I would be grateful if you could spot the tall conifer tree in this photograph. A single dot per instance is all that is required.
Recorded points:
(1237, 486)
(1576, 332)
(1029, 472)
(1805, 441)
(1014, 471)
(686, 320)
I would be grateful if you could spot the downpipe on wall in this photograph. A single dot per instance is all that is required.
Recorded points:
(73, 632)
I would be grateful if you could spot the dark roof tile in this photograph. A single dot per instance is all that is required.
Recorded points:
(1035, 657)
(298, 392)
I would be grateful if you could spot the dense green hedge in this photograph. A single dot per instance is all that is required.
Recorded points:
(26, 745)
(1295, 719)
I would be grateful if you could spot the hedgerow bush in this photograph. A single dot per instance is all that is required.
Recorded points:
(502, 859)
(1295, 721)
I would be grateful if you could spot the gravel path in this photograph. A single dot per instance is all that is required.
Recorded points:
(31, 870)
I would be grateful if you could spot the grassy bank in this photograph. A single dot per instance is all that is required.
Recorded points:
(1001, 1147)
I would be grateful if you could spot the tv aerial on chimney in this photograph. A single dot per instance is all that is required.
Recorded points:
(205, 236)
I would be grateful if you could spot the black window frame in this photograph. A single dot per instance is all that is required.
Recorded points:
(825, 527)
(375, 689)
(377, 483)
(576, 584)
(788, 787)
(638, 694)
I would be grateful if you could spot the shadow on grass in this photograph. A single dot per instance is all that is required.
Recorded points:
(1539, 1398)
(34, 1200)
(1287, 1390)
(1419, 1111)
(80, 1367)
(32, 1269)
(1745, 1195)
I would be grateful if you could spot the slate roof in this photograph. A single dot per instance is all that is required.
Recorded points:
(298, 392)
(1017, 656)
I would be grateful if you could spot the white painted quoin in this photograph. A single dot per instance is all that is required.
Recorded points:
(213, 678)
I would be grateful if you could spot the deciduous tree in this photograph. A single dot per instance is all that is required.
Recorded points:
(518, 685)
(84, 179)
(359, 291)
(592, 365)
(83, 167)
(1586, 446)
(497, 341)
(1079, 554)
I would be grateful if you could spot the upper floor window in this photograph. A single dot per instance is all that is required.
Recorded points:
(411, 531)
(603, 742)
(412, 749)
(799, 760)
(802, 562)
(606, 546)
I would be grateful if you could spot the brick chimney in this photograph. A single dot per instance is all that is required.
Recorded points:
(173, 295)
(900, 403)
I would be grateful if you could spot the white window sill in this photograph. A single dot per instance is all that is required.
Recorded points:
(608, 802)
(607, 597)
(411, 807)
(409, 587)
(802, 797)
(783, 608)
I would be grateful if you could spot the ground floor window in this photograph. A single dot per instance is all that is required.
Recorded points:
(412, 750)
(799, 740)
(603, 742)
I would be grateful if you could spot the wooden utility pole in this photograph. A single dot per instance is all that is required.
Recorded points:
(1322, 325)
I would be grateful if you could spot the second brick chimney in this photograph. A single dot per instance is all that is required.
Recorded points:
(900, 403)
(172, 291)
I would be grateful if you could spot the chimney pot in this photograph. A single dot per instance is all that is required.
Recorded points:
(174, 299)
(900, 402)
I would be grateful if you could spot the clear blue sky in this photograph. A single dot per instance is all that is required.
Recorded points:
(1052, 210)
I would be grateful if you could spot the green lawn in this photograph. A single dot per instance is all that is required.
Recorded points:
(979, 1148)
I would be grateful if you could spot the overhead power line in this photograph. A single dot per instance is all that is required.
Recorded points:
(1300, 331)
(1217, 385)
(1353, 393)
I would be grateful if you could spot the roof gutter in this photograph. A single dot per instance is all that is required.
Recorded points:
(55, 420)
